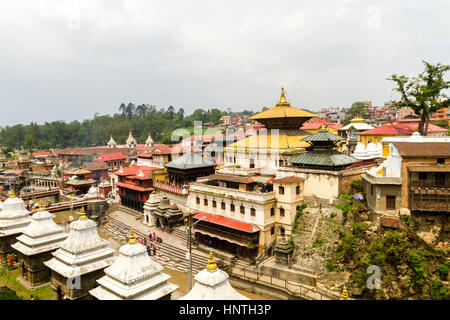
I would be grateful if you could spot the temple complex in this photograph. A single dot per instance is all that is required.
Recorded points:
(281, 141)
(80, 261)
(14, 218)
(134, 276)
(35, 245)
(212, 284)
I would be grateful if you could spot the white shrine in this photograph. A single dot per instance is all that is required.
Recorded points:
(212, 284)
(14, 218)
(80, 261)
(149, 142)
(134, 276)
(39, 239)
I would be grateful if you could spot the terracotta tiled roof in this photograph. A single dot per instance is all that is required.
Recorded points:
(111, 157)
(132, 187)
(226, 222)
(95, 165)
(40, 154)
(291, 179)
(398, 128)
(133, 172)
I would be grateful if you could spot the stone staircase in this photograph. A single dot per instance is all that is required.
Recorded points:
(168, 255)
(306, 227)
(135, 213)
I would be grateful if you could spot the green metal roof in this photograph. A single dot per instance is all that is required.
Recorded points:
(322, 136)
(190, 160)
(326, 158)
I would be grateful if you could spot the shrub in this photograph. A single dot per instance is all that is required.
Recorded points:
(345, 196)
(444, 269)
(406, 219)
(355, 186)
(347, 246)
(416, 262)
(358, 228)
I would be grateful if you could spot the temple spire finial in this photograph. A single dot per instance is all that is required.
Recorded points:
(13, 195)
(83, 214)
(211, 266)
(132, 239)
(283, 101)
(41, 206)
(344, 294)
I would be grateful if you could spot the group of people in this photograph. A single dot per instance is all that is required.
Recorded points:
(150, 244)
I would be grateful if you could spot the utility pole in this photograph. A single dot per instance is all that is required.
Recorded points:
(190, 226)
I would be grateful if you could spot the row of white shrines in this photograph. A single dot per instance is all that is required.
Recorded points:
(81, 265)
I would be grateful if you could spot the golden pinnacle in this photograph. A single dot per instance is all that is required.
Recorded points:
(132, 240)
(41, 207)
(344, 294)
(83, 214)
(211, 263)
(12, 194)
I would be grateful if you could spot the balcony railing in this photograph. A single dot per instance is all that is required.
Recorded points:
(251, 196)
(430, 184)
(171, 189)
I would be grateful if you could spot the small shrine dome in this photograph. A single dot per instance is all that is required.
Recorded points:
(14, 217)
(134, 276)
(372, 150)
(212, 284)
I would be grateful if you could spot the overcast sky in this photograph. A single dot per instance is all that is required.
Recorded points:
(67, 60)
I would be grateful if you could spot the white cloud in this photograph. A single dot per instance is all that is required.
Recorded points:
(69, 59)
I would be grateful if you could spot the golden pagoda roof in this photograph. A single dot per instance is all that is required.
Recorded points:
(283, 109)
(270, 142)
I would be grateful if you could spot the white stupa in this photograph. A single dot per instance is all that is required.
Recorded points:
(149, 206)
(212, 284)
(131, 141)
(14, 217)
(41, 235)
(372, 150)
(149, 142)
(134, 276)
(83, 252)
(360, 152)
(112, 143)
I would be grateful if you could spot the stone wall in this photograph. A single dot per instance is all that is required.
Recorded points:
(433, 228)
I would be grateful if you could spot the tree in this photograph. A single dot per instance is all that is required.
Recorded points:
(358, 108)
(423, 93)
(123, 108)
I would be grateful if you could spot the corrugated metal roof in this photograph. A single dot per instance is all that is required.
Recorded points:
(226, 222)
(329, 158)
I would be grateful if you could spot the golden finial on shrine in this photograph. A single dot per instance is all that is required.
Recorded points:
(132, 239)
(83, 214)
(211, 263)
(41, 207)
(12, 193)
(283, 101)
(344, 293)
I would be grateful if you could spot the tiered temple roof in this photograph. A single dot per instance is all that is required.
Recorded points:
(212, 284)
(133, 276)
(41, 235)
(14, 218)
(83, 251)
(323, 155)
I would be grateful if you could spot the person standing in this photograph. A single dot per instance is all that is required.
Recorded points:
(154, 250)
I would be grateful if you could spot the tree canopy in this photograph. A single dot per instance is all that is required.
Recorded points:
(142, 119)
(423, 94)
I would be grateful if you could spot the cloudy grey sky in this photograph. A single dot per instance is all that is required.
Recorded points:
(68, 59)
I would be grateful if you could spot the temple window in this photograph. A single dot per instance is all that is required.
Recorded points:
(222, 205)
(198, 200)
(205, 202)
(253, 212)
(282, 212)
(242, 209)
(272, 231)
(272, 212)
(281, 190)
(214, 204)
(232, 207)
(297, 190)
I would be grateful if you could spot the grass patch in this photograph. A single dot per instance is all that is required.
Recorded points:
(9, 279)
